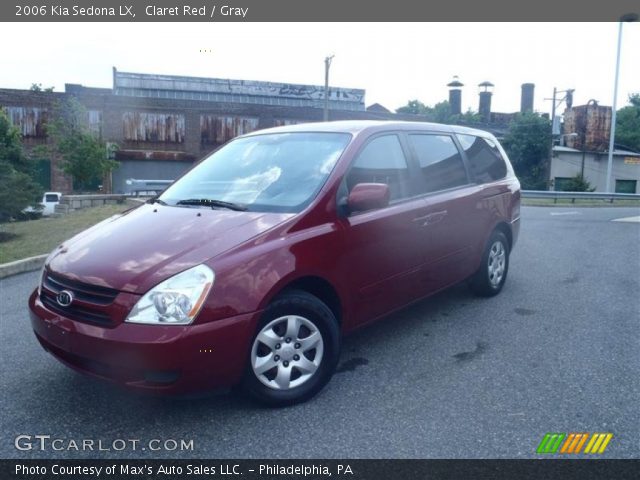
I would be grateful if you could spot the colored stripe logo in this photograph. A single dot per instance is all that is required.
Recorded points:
(564, 443)
(598, 443)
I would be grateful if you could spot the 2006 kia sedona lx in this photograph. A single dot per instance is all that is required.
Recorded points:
(251, 267)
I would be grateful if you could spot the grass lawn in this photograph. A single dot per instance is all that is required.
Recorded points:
(35, 237)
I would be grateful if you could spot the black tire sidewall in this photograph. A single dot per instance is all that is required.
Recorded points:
(310, 307)
(481, 283)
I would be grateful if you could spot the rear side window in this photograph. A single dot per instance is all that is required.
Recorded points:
(382, 161)
(440, 161)
(484, 157)
(51, 197)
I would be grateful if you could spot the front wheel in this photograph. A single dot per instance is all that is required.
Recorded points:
(294, 351)
(492, 273)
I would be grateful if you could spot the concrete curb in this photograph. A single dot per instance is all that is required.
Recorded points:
(24, 265)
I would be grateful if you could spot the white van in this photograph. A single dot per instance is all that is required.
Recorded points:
(47, 205)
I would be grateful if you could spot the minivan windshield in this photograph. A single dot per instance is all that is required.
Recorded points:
(279, 172)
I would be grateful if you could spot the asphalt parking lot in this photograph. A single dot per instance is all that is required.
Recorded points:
(454, 376)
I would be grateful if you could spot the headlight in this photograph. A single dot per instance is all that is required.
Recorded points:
(41, 279)
(175, 301)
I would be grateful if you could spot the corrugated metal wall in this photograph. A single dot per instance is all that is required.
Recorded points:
(242, 91)
(280, 122)
(30, 121)
(153, 127)
(215, 129)
(592, 123)
(94, 119)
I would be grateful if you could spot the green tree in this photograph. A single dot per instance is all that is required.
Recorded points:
(467, 118)
(84, 156)
(415, 107)
(37, 87)
(576, 184)
(527, 142)
(628, 124)
(439, 113)
(18, 189)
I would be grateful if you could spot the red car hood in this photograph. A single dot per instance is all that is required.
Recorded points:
(138, 249)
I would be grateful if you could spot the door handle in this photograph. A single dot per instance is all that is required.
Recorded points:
(430, 219)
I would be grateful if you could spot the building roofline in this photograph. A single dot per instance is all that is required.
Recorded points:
(370, 126)
(618, 152)
(162, 76)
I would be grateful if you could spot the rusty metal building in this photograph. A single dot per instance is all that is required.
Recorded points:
(162, 124)
(588, 126)
(586, 131)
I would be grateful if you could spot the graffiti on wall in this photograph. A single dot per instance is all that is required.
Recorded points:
(150, 82)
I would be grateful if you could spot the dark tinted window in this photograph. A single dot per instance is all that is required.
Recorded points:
(51, 197)
(484, 157)
(440, 161)
(561, 184)
(382, 161)
(626, 186)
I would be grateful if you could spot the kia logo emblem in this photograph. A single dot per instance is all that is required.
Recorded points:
(64, 298)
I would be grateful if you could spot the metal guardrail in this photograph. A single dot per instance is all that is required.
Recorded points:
(579, 195)
(137, 187)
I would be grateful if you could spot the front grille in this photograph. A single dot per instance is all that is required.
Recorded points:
(94, 300)
(81, 291)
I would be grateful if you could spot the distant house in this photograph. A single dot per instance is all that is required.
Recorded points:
(377, 108)
(587, 130)
(568, 162)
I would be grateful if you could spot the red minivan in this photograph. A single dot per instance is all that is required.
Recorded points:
(251, 267)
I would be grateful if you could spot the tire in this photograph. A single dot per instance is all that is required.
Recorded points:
(492, 273)
(294, 351)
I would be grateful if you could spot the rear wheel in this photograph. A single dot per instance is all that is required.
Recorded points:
(294, 351)
(492, 273)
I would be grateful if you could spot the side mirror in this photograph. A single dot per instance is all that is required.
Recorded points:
(367, 196)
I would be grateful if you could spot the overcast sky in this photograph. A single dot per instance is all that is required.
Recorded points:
(394, 62)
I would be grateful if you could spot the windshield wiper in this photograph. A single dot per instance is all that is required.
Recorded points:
(206, 202)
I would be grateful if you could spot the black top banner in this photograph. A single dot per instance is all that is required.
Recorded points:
(310, 10)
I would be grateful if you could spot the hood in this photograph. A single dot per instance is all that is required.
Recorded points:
(136, 250)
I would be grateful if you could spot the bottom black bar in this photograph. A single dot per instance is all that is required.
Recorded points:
(319, 469)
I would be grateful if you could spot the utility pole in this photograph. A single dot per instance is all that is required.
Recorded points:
(327, 64)
(547, 167)
(555, 103)
(629, 17)
(553, 112)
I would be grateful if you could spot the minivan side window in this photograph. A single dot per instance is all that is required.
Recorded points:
(440, 162)
(382, 161)
(484, 157)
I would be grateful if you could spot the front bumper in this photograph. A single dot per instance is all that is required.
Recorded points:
(515, 232)
(163, 359)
